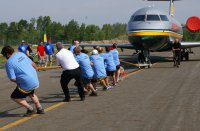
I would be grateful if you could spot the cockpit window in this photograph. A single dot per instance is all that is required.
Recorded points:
(164, 18)
(153, 18)
(132, 18)
(139, 18)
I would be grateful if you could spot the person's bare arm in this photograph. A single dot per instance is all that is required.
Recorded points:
(13, 80)
(34, 66)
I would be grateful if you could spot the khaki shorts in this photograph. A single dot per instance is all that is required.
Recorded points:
(49, 58)
(41, 60)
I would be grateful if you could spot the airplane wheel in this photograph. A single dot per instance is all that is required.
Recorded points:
(181, 58)
(187, 56)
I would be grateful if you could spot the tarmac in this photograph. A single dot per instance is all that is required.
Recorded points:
(162, 98)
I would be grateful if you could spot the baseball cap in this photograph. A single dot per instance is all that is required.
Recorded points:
(94, 52)
(23, 41)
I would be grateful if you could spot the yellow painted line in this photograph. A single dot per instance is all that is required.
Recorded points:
(15, 123)
(132, 73)
(129, 63)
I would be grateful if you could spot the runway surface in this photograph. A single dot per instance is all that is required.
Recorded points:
(162, 98)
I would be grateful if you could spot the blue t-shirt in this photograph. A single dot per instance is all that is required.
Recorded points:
(49, 49)
(71, 48)
(84, 63)
(115, 54)
(108, 61)
(22, 48)
(98, 66)
(19, 67)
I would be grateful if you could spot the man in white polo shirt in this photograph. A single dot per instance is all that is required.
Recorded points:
(71, 70)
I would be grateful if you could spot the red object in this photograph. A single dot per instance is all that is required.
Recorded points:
(49, 40)
(40, 49)
(110, 48)
(123, 73)
(193, 24)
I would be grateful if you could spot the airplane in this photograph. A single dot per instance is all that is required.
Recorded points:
(152, 30)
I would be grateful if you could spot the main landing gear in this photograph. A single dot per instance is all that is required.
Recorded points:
(185, 54)
(144, 59)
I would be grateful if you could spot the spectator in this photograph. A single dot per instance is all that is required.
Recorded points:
(29, 52)
(22, 47)
(49, 50)
(41, 54)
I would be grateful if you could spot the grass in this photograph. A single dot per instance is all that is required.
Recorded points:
(3, 60)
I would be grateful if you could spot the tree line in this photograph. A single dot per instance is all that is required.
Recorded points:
(33, 31)
(189, 36)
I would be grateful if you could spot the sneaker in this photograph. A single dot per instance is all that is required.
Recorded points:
(93, 94)
(29, 112)
(114, 84)
(41, 111)
(121, 79)
(105, 88)
(109, 87)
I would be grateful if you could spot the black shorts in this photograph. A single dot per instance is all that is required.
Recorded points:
(95, 80)
(86, 80)
(19, 95)
(118, 67)
(110, 73)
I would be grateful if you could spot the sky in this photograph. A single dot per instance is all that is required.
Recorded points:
(96, 12)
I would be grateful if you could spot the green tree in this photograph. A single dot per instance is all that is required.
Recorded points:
(12, 33)
(72, 30)
(3, 30)
(82, 32)
(107, 29)
(91, 32)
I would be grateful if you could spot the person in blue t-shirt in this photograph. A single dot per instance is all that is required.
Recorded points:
(115, 54)
(86, 69)
(22, 47)
(72, 46)
(109, 64)
(22, 71)
(99, 69)
(49, 50)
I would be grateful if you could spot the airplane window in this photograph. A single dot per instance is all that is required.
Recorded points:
(132, 18)
(139, 18)
(164, 18)
(153, 18)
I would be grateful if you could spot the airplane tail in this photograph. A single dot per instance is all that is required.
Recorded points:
(171, 8)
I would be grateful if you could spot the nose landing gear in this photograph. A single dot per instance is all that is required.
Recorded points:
(144, 59)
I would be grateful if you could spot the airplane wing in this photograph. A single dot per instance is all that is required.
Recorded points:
(190, 44)
(119, 45)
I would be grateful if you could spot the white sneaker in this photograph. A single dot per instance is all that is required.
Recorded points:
(109, 87)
